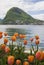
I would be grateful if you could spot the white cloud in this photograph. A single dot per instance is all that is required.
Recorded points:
(5, 5)
(38, 6)
(39, 16)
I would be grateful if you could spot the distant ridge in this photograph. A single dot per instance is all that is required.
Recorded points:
(0, 20)
(19, 17)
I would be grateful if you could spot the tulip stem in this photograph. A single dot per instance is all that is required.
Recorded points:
(32, 47)
(37, 47)
(12, 48)
(3, 61)
(37, 62)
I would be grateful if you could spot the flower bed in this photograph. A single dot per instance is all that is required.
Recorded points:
(13, 54)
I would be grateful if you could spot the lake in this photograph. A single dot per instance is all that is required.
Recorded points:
(29, 30)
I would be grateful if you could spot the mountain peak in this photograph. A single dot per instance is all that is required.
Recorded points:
(17, 16)
(16, 9)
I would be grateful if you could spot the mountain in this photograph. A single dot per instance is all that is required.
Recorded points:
(1, 21)
(19, 17)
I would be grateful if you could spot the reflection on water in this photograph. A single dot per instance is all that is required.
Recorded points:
(11, 31)
(29, 30)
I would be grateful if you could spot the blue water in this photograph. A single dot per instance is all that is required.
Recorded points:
(29, 30)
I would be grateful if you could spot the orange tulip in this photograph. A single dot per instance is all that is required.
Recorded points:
(16, 34)
(3, 46)
(22, 36)
(36, 37)
(18, 62)
(1, 32)
(7, 49)
(13, 38)
(31, 58)
(5, 34)
(26, 63)
(1, 36)
(39, 55)
(11, 60)
(37, 42)
(5, 40)
(43, 55)
(31, 39)
(25, 42)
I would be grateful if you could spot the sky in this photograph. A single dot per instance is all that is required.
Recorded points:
(35, 8)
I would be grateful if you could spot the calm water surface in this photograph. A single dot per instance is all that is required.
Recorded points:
(29, 30)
